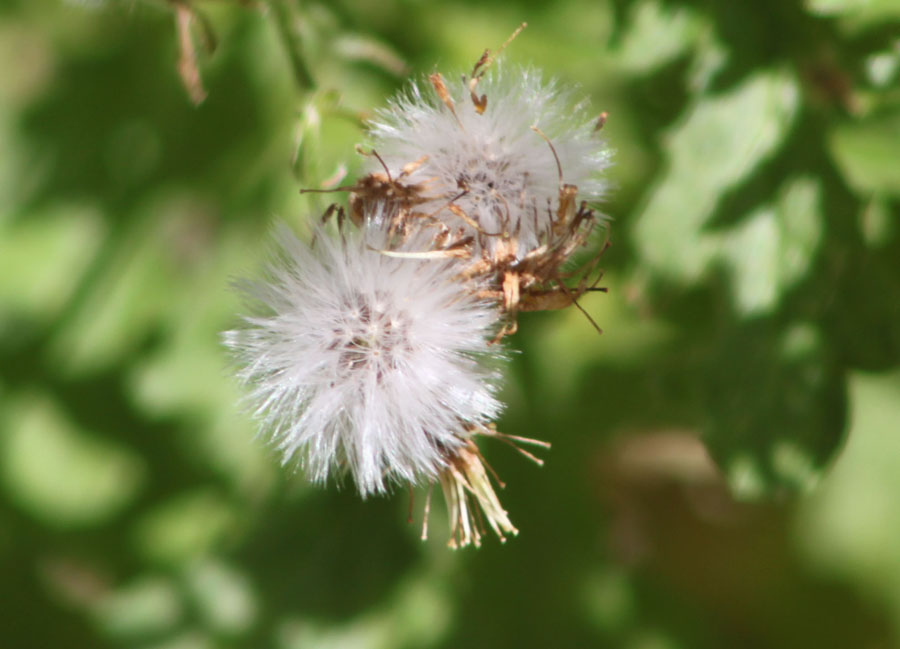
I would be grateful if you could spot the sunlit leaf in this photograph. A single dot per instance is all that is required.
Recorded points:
(877, 224)
(656, 35)
(850, 526)
(59, 474)
(720, 142)
(149, 605)
(869, 9)
(866, 153)
(43, 258)
(774, 248)
(222, 596)
(416, 616)
(186, 527)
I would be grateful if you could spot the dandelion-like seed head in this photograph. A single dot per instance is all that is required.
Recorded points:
(488, 160)
(366, 363)
(373, 352)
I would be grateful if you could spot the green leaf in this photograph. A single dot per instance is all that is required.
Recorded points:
(871, 9)
(865, 319)
(777, 407)
(719, 143)
(124, 304)
(773, 250)
(882, 68)
(187, 375)
(146, 606)
(656, 35)
(867, 153)
(850, 527)
(43, 257)
(876, 224)
(185, 527)
(418, 614)
(61, 475)
(221, 595)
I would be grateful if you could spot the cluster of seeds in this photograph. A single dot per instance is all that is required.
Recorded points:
(377, 351)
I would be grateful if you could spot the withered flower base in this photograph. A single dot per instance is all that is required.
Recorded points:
(466, 481)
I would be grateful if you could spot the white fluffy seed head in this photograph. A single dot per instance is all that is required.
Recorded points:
(507, 169)
(367, 363)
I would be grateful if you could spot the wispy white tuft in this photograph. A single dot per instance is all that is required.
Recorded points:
(508, 169)
(364, 362)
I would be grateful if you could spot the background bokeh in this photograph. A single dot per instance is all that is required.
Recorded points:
(725, 469)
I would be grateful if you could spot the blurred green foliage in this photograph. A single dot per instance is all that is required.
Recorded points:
(753, 318)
